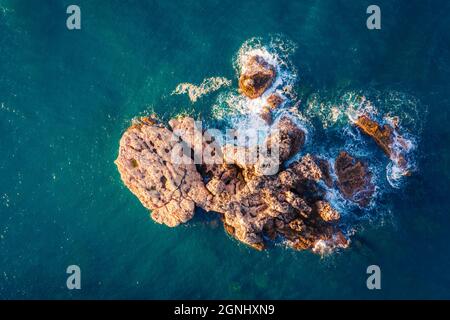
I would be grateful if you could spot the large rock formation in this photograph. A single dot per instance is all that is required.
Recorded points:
(177, 168)
(354, 179)
(256, 77)
(254, 207)
(145, 164)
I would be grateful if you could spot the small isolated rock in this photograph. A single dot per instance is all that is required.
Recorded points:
(383, 136)
(273, 102)
(288, 137)
(393, 145)
(266, 114)
(256, 77)
(326, 212)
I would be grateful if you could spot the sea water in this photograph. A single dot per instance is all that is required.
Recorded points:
(66, 97)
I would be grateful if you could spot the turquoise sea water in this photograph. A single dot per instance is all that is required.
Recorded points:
(67, 96)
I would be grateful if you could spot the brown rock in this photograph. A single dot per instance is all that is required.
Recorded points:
(324, 166)
(383, 136)
(354, 179)
(253, 207)
(256, 77)
(307, 169)
(386, 137)
(288, 137)
(274, 100)
(145, 164)
(285, 140)
(266, 115)
(326, 212)
(328, 243)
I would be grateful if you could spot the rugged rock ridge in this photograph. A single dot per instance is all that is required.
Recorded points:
(289, 204)
(393, 145)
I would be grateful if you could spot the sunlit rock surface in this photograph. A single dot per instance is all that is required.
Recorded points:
(255, 208)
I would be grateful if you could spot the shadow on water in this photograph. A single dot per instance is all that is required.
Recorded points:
(363, 246)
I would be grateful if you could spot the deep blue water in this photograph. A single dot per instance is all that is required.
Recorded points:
(67, 96)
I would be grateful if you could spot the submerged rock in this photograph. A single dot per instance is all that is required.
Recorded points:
(354, 179)
(256, 77)
(253, 207)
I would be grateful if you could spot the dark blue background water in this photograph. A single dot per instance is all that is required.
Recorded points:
(66, 97)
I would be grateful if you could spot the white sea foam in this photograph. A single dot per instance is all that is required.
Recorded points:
(207, 86)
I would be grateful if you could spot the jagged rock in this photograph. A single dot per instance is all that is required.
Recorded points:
(207, 150)
(330, 243)
(386, 137)
(354, 179)
(288, 136)
(383, 136)
(307, 169)
(326, 212)
(285, 140)
(253, 207)
(266, 114)
(274, 100)
(256, 77)
(145, 164)
(325, 168)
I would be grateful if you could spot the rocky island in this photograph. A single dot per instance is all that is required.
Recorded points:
(288, 205)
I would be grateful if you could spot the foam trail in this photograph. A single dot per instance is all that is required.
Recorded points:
(207, 86)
